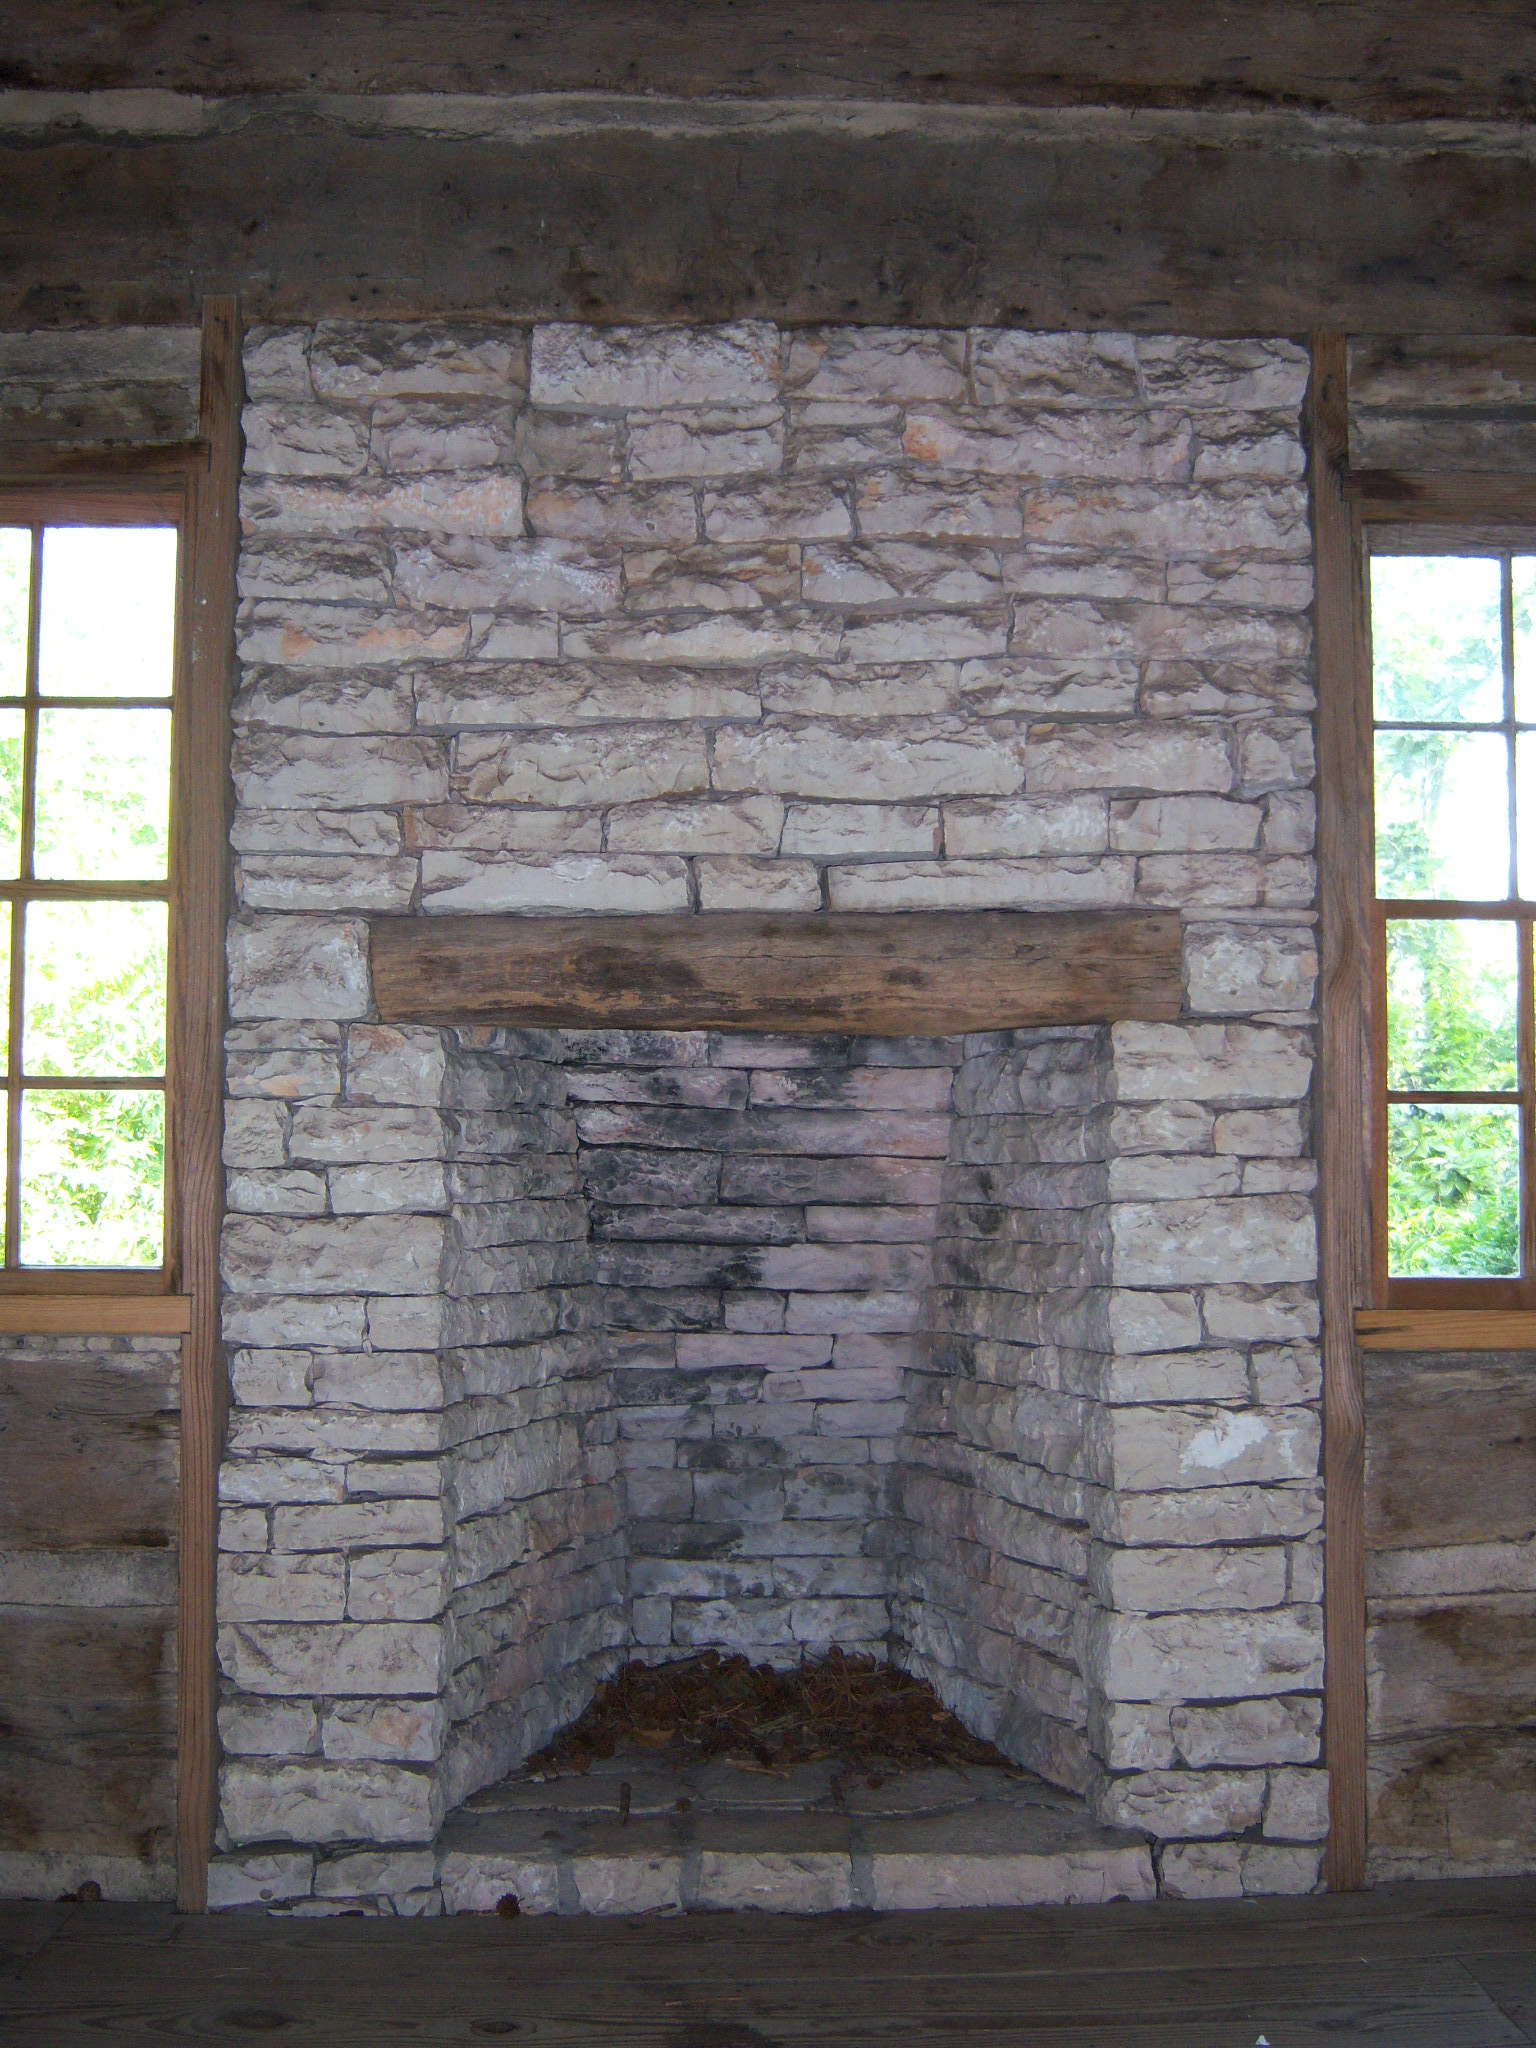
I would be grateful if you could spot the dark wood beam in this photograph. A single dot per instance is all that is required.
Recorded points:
(927, 974)
(1374, 59)
(1161, 223)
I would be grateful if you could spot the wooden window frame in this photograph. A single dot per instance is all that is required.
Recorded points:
(203, 479)
(124, 500)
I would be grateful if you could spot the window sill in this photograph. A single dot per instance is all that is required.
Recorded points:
(1445, 1329)
(95, 1315)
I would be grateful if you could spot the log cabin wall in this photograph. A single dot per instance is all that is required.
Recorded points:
(1450, 1476)
(89, 1425)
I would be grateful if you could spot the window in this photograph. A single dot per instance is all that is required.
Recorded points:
(1453, 661)
(88, 659)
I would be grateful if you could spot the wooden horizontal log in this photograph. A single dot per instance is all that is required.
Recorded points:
(1211, 224)
(1387, 496)
(925, 974)
(1450, 1451)
(1439, 1664)
(88, 1452)
(95, 1315)
(1445, 1329)
(1371, 58)
(1452, 1804)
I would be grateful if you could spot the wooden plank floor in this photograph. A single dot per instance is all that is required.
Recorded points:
(1408, 1966)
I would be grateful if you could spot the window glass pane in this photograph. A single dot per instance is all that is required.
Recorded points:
(12, 735)
(1442, 815)
(94, 988)
(1436, 637)
(5, 991)
(108, 611)
(1453, 1190)
(1451, 1003)
(92, 1177)
(15, 577)
(1525, 637)
(103, 795)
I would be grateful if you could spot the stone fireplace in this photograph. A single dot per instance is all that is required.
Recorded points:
(992, 1353)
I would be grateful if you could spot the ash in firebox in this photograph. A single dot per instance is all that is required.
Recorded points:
(857, 1711)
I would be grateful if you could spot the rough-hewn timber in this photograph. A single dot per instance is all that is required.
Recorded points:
(926, 974)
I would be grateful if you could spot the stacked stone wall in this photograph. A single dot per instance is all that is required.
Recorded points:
(626, 621)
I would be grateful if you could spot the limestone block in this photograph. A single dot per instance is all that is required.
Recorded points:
(895, 760)
(476, 1883)
(776, 510)
(262, 1801)
(404, 1322)
(1269, 1870)
(1227, 1514)
(871, 365)
(711, 578)
(294, 439)
(390, 1064)
(1297, 1810)
(1207, 1374)
(255, 1132)
(414, 1187)
(1143, 1321)
(378, 1379)
(1142, 1450)
(295, 771)
(1004, 441)
(388, 1731)
(243, 1529)
(1187, 823)
(1202, 1870)
(1237, 376)
(1233, 968)
(369, 701)
(412, 435)
(1244, 1314)
(276, 362)
(310, 1588)
(733, 883)
(1208, 520)
(900, 572)
(322, 636)
(1262, 1133)
(1230, 1064)
(360, 361)
(468, 574)
(606, 514)
(257, 1727)
(560, 695)
(1164, 1581)
(326, 1135)
(741, 825)
(578, 367)
(259, 1880)
(1277, 755)
(396, 1585)
(280, 1319)
(775, 1881)
(333, 1255)
(582, 766)
(1019, 826)
(894, 502)
(628, 1884)
(1249, 1732)
(265, 1479)
(1012, 366)
(327, 882)
(1287, 1374)
(1268, 586)
(1131, 1735)
(369, 1658)
(1290, 822)
(1158, 1177)
(371, 833)
(828, 831)
(329, 570)
(1084, 882)
(359, 1524)
(1187, 756)
(926, 636)
(271, 1379)
(1203, 1656)
(715, 441)
(1280, 1177)
(572, 881)
(368, 1874)
(725, 638)
(1183, 1803)
(1179, 1243)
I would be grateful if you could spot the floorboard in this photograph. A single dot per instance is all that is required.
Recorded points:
(1408, 1966)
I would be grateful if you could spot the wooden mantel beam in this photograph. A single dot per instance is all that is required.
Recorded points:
(924, 974)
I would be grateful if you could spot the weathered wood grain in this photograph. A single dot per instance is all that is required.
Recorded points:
(1454, 1803)
(929, 974)
(199, 908)
(1345, 1178)
(1450, 1450)
(1445, 1329)
(88, 1453)
(87, 1729)
(1202, 224)
(1443, 1664)
(1370, 58)
(92, 1315)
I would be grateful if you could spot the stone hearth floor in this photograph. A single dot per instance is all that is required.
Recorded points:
(819, 1840)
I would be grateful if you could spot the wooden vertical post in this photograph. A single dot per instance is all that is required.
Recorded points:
(1344, 849)
(199, 890)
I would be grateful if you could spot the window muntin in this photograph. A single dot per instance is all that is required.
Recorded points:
(88, 614)
(1454, 713)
